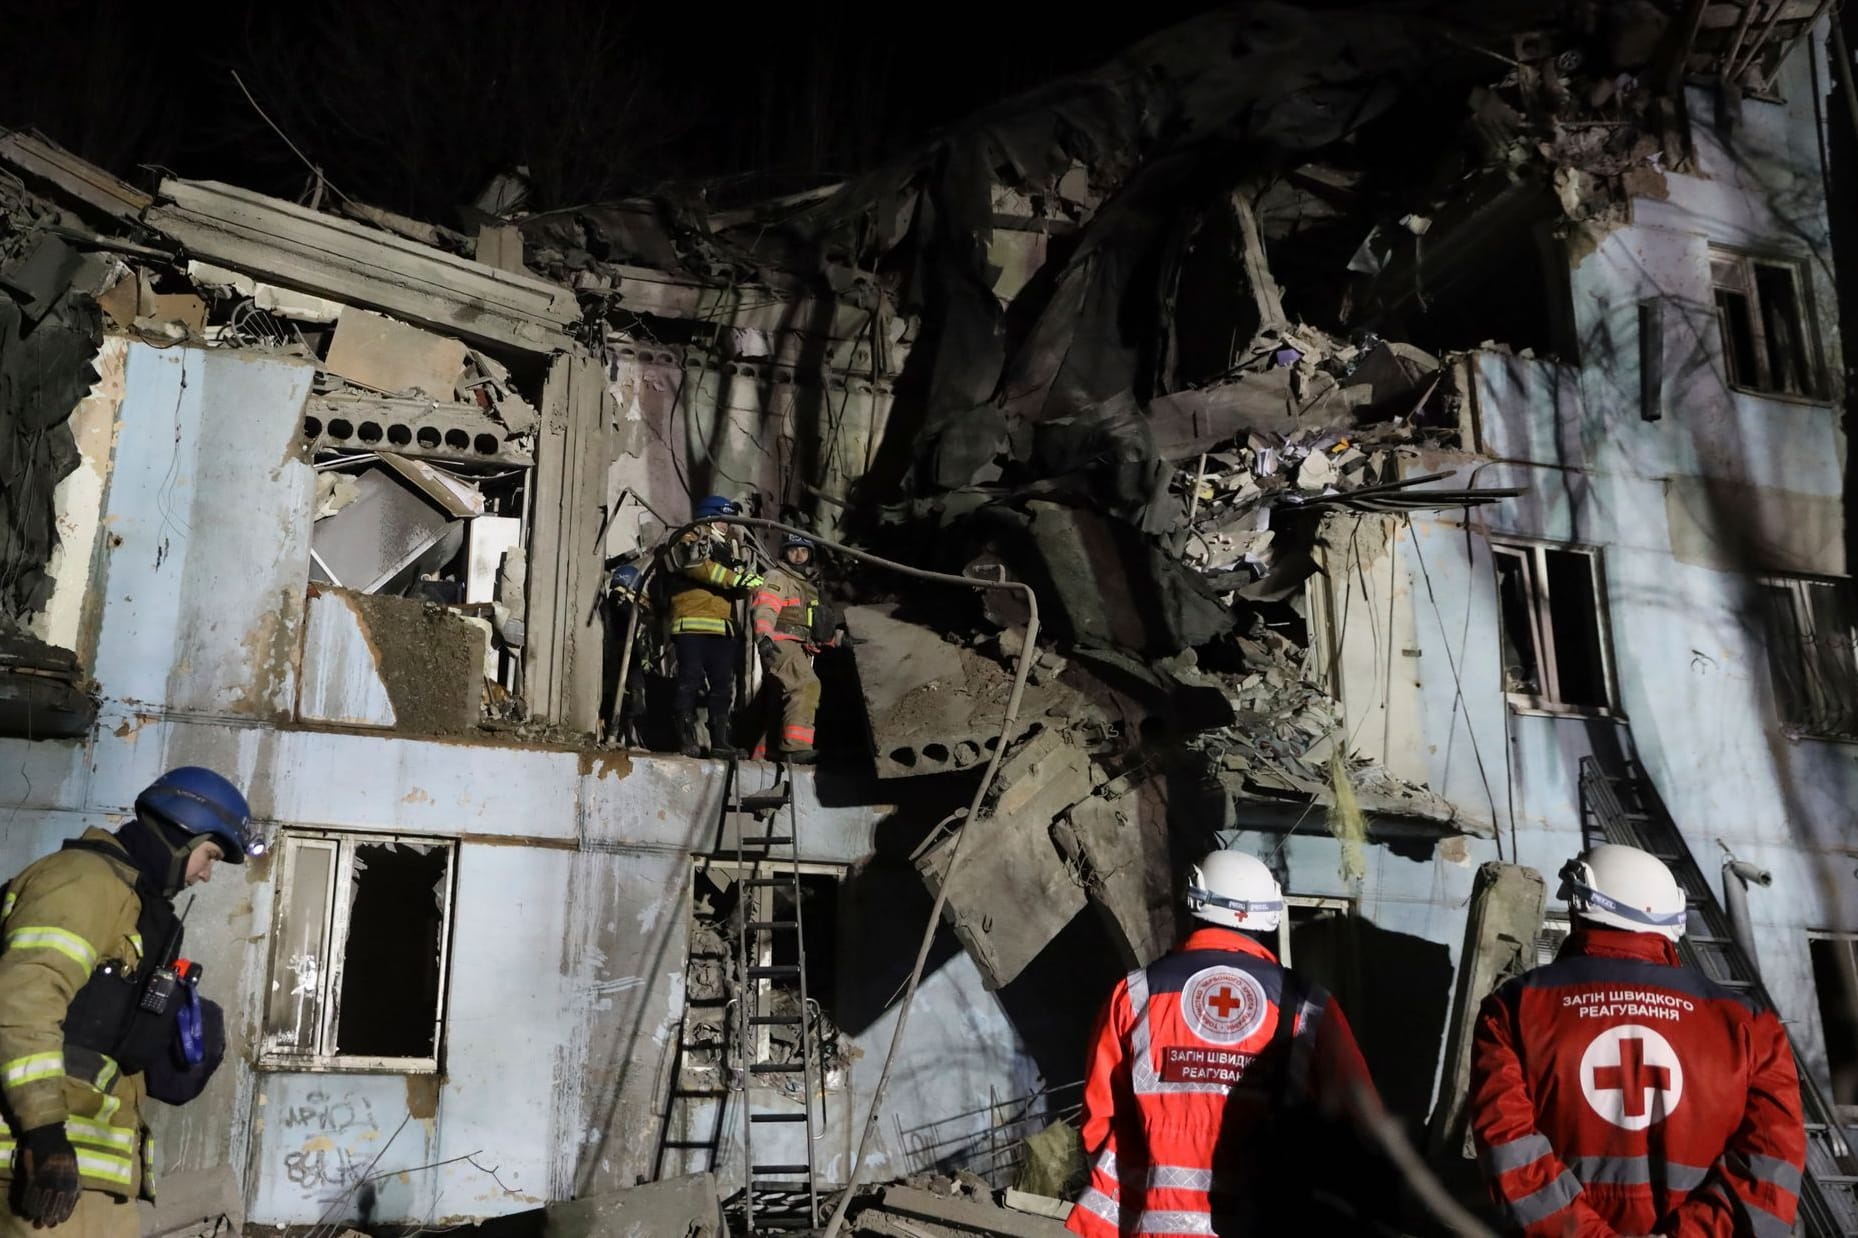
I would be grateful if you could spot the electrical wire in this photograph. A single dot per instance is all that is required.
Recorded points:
(1021, 668)
(1458, 704)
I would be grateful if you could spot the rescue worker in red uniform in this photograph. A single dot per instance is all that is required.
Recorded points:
(1615, 1091)
(1202, 1065)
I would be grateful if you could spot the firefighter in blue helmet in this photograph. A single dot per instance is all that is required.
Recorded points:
(709, 570)
(98, 1010)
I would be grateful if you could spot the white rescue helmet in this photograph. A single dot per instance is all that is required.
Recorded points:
(1235, 890)
(1624, 887)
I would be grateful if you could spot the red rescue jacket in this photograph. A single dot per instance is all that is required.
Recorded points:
(1617, 1092)
(1194, 1059)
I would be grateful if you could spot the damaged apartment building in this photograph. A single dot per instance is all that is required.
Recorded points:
(1420, 434)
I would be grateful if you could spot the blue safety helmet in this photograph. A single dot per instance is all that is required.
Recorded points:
(794, 539)
(625, 581)
(716, 505)
(199, 802)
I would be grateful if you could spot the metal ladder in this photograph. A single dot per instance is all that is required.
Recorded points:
(685, 1105)
(777, 1194)
(1625, 808)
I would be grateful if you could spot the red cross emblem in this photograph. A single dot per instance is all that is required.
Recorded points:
(1224, 1001)
(1631, 1076)
(1223, 1005)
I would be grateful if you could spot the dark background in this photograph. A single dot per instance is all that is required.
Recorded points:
(414, 105)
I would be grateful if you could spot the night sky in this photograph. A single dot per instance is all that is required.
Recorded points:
(415, 104)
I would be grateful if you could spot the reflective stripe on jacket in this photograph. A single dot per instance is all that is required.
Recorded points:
(1614, 1091)
(1192, 1059)
(785, 607)
(62, 916)
(702, 588)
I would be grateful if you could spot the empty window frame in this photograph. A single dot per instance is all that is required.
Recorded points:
(1812, 639)
(1835, 978)
(358, 956)
(1767, 337)
(717, 905)
(1552, 620)
(1303, 909)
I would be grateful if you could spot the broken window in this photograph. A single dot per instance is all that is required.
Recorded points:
(1812, 640)
(714, 970)
(1300, 911)
(1766, 340)
(1835, 977)
(361, 931)
(424, 452)
(1552, 627)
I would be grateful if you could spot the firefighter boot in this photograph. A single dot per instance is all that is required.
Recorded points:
(719, 735)
(687, 742)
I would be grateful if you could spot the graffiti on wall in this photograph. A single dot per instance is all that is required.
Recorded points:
(330, 1143)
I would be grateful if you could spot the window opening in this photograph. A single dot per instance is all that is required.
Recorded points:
(712, 978)
(1766, 338)
(1835, 978)
(1301, 911)
(359, 953)
(1812, 642)
(1553, 638)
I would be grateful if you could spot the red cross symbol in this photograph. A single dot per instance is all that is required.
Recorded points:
(1632, 1076)
(1225, 1002)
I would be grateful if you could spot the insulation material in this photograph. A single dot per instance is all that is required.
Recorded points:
(1347, 823)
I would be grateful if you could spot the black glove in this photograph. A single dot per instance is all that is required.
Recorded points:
(764, 645)
(48, 1165)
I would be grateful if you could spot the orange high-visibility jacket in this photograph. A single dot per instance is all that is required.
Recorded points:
(1614, 1091)
(1193, 1057)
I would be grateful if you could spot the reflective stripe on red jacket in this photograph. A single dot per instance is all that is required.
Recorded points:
(1614, 1091)
(1191, 1058)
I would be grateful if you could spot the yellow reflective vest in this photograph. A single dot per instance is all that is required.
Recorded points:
(61, 917)
(702, 590)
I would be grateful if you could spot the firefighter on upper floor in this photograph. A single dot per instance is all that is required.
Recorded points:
(98, 1010)
(709, 570)
(792, 624)
(1615, 1091)
(1215, 1076)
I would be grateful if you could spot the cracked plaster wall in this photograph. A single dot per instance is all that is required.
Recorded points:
(1690, 654)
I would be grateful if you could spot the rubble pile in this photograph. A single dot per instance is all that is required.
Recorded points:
(422, 437)
(956, 1207)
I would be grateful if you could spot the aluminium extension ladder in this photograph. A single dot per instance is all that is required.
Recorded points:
(782, 1192)
(1625, 808)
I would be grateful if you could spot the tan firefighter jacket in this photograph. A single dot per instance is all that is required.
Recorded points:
(61, 917)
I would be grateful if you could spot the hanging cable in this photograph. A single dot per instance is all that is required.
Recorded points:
(1022, 665)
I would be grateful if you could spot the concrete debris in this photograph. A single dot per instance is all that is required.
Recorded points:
(687, 1207)
(935, 705)
(961, 1208)
(1507, 901)
(1012, 892)
(393, 358)
(1036, 1205)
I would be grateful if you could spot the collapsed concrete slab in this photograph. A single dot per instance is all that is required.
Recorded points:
(688, 1207)
(1011, 895)
(1129, 888)
(934, 705)
(959, 1214)
(1499, 942)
